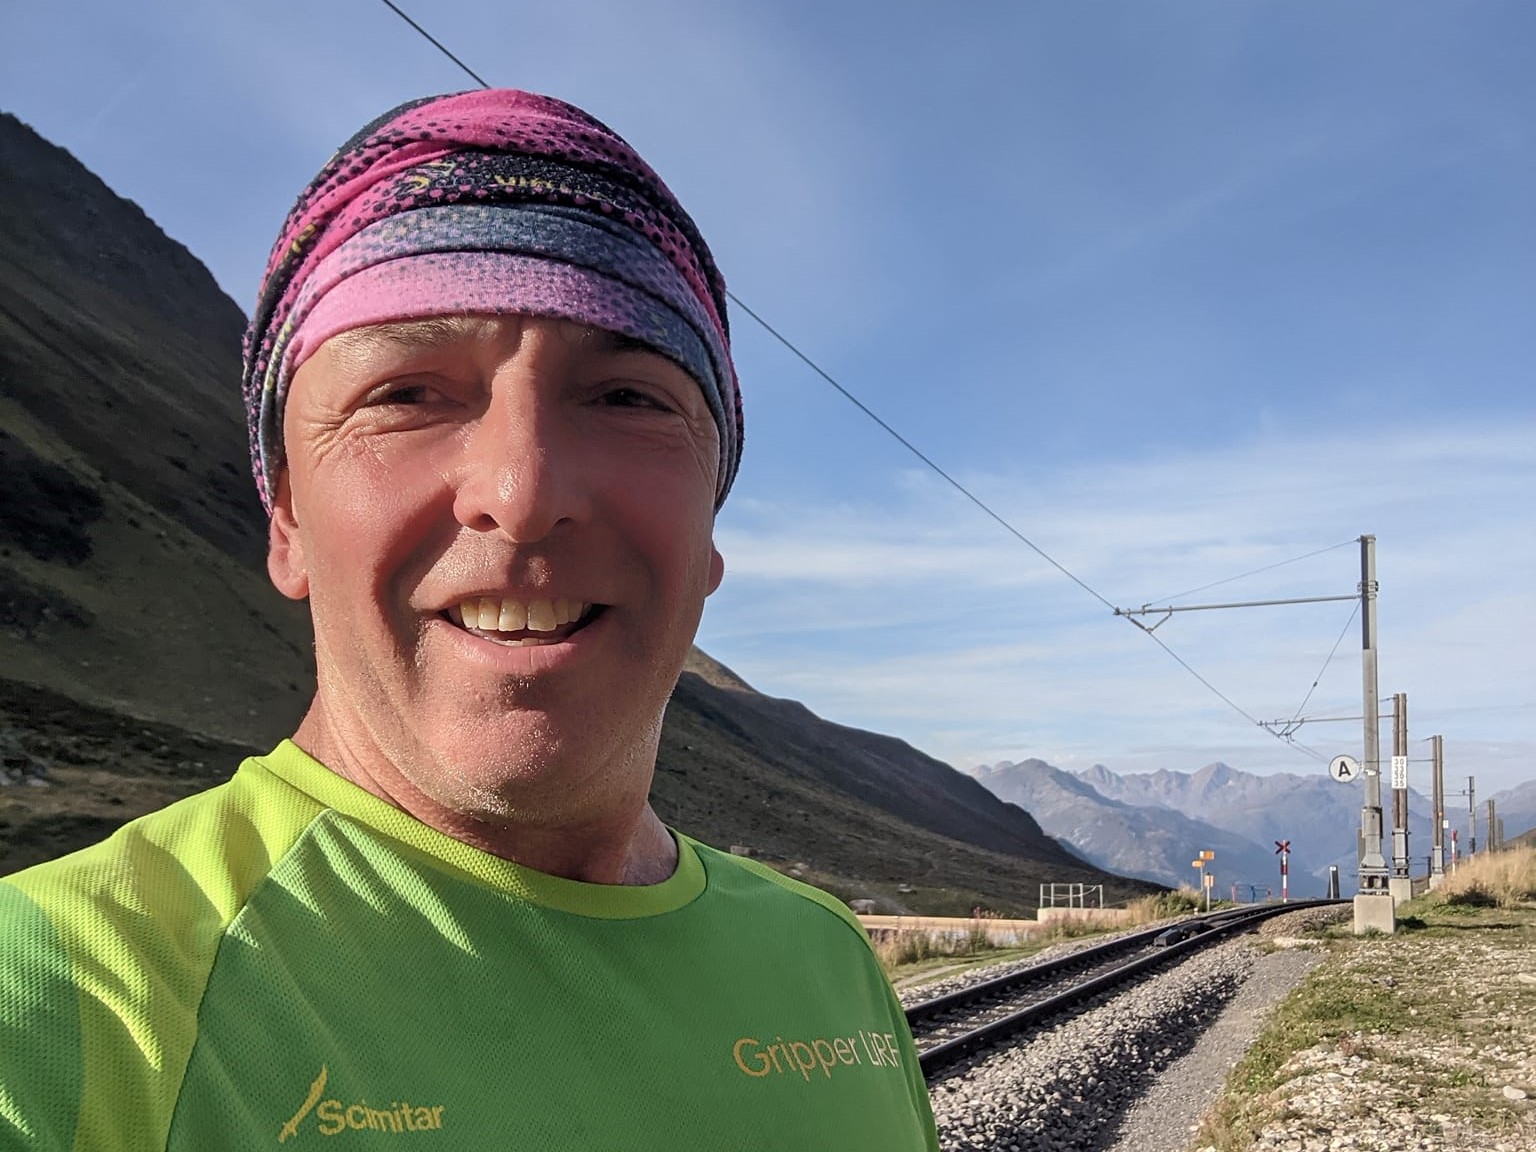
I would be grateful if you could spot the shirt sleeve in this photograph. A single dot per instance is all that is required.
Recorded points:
(41, 1065)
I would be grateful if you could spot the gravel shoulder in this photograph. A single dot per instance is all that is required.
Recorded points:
(1301, 1039)
(1424, 1040)
(1071, 1085)
(1167, 1116)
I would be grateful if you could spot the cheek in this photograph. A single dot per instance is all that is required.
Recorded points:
(367, 526)
(668, 520)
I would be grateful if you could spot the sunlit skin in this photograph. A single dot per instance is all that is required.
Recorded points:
(431, 462)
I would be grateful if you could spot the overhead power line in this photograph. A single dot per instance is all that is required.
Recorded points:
(1319, 678)
(912, 448)
(1256, 571)
(436, 43)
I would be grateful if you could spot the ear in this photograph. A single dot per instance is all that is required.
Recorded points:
(716, 570)
(285, 548)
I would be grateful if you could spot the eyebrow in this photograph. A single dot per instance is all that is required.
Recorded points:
(433, 332)
(602, 340)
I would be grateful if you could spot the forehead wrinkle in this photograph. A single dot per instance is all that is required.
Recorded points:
(432, 332)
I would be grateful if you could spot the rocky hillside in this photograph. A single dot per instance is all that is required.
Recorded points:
(142, 649)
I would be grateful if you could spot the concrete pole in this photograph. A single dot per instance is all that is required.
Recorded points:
(1374, 908)
(1493, 824)
(1437, 854)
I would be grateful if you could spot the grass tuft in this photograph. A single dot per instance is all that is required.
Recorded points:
(1491, 880)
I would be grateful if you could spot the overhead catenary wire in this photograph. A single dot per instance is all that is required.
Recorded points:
(1244, 713)
(1342, 633)
(1255, 572)
(436, 43)
(912, 448)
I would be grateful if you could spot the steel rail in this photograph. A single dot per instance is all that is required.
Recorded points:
(1033, 974)
(1216, 926)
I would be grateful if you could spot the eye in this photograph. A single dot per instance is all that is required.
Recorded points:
(399, 395)
(635, 396)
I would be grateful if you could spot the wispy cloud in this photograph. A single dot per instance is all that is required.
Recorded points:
(918, 616)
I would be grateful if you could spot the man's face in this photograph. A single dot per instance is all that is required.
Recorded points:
(504, 529)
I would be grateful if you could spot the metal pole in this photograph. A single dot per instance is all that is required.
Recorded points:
(1400, 859)
(1472, 815)
(1373, 867)
(1437, 854)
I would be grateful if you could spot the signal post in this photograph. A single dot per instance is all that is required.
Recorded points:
(1401, 883)
(1437, 855)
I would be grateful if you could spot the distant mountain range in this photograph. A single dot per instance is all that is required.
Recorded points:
(1154, 824)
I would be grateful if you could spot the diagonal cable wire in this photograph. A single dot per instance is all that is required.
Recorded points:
(1255, 572)
(436, 43)
(1158, 640)
(1342, 632)
(912, 448)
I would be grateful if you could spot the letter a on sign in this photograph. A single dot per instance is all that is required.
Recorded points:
(1343, 768)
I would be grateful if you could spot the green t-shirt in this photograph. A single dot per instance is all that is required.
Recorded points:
(286, 960)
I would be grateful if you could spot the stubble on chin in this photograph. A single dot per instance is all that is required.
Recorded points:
(541, 777)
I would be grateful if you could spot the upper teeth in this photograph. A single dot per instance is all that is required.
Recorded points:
(489, 615)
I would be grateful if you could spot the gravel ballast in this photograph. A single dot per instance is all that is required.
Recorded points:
(1070, 1085)
(1133, 1072)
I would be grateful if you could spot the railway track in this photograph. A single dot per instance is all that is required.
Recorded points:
(949, 1028)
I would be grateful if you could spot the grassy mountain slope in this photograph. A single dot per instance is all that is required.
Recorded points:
(130, 538)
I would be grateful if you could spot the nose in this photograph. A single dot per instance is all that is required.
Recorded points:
(519, 473)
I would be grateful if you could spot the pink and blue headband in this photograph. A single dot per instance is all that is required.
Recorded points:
(488, 202)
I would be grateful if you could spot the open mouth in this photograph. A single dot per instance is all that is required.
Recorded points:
(522, 623)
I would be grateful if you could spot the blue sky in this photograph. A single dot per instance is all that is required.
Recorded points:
(1181, 290)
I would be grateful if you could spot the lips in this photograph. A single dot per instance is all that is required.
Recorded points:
(522, 623)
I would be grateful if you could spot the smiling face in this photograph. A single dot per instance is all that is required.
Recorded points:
(503, 526)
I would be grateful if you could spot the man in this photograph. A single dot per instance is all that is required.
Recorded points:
(493, 414)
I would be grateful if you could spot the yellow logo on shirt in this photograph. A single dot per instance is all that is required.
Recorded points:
(823, 1055)
(335, 1117)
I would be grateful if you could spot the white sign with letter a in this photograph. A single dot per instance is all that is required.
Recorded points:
(1344, 768)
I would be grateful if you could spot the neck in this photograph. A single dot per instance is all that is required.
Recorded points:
(618, 839)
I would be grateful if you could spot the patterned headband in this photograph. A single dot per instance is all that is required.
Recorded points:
(487, 201)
